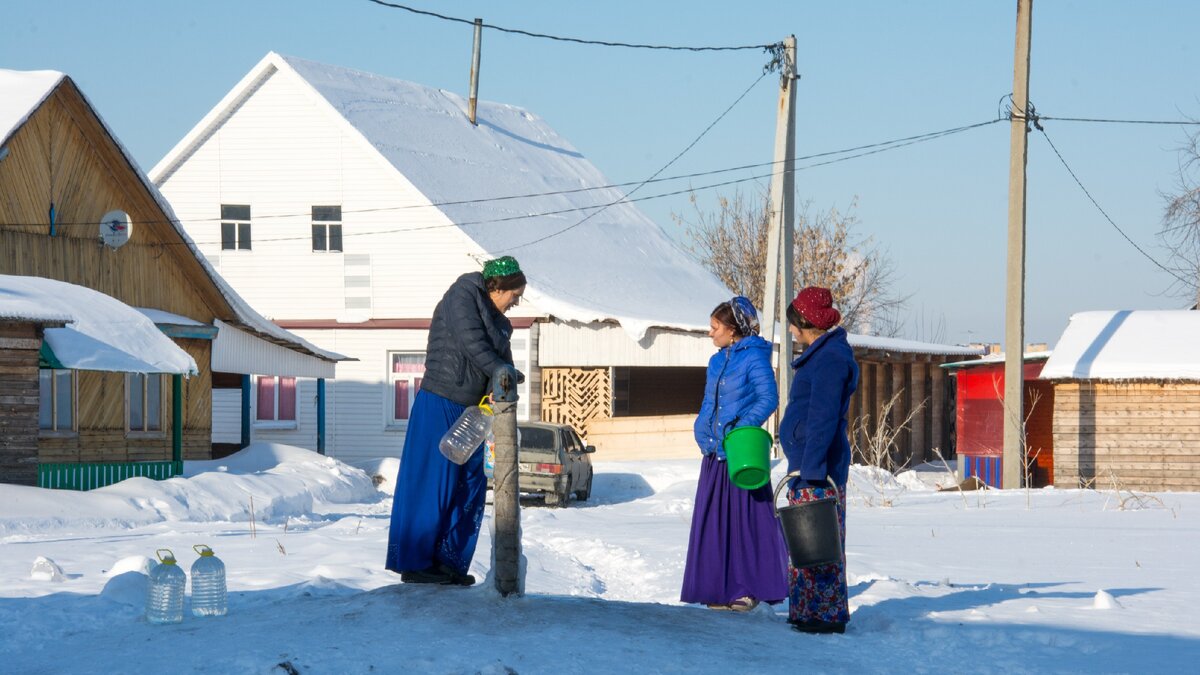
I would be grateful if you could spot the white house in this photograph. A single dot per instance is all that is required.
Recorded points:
(342, 204)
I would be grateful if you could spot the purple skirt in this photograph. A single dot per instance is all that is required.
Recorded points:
(736, 547)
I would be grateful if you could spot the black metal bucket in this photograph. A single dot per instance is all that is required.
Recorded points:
(810, 529)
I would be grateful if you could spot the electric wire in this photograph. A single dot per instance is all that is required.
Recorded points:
(655, 175)
(1117, 121)
(1104, 213)
(602, 43)
(883, 145)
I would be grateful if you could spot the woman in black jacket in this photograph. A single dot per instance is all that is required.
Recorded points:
(438, 505)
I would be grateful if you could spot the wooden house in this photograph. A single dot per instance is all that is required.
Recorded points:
(1127, 400)
(64, 179)
(979, 419)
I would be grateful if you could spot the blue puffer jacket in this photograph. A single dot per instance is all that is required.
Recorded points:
(740, 391)
(468, 340)
(813, 430)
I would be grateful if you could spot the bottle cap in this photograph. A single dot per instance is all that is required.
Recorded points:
(169, 559)
(205, 553)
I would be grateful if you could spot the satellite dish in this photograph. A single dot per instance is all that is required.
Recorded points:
(115, 228)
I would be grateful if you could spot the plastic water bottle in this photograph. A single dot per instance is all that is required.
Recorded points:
(468, 433)
(489, 455)
(164, 602)
(209, 597)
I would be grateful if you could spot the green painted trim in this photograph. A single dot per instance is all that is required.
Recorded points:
(96, 475)
(47, 359)
(192, 332)
(177, 418)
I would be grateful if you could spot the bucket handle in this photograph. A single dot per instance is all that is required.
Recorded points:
(784, 481)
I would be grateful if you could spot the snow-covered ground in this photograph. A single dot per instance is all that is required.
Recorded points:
(1045, 580)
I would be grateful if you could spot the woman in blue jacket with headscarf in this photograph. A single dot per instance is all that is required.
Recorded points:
(814, 439)
(735, 555)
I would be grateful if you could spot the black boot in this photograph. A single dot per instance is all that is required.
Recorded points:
(431, 575)
(818, 626)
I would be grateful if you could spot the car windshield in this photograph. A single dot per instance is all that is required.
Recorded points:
(537, 438)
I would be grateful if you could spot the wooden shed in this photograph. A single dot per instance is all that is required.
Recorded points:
(1127, 401)
(62, 174)
(979, 419)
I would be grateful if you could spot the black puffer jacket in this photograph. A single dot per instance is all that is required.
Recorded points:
(468, 341)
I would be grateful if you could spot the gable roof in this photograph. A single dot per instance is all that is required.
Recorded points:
(23, 92)
(616, 264)
(1128, 345)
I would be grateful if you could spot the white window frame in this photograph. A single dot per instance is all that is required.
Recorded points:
(143, 392)
(237, 229)
(275, 422)
(55, 430)
(391, 422)
(326, 226)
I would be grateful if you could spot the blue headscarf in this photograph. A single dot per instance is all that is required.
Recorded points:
(744, 315)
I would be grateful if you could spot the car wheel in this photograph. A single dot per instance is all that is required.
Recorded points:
(583, 493)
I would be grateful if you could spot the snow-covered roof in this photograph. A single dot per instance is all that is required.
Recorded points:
(23, 92)
(103, 333)
(909, 346)
(160, 317)
(996, 358)
(616, 264)
(1126, 345)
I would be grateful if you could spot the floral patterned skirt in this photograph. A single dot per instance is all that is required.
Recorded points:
(820, 593)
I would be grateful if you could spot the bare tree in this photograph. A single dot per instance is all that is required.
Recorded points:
(732, 242)
(1181, 220)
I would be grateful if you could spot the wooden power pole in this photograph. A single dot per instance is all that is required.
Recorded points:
(780, 247)
(473, 96)
(1014, 325)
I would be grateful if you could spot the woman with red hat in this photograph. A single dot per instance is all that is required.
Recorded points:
(814, 439)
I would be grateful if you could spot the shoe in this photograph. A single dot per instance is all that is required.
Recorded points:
(743, 604)
(455, 578)
(431, 575)
(817, 626)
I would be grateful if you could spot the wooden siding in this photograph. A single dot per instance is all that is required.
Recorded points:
(576, 396)
(101, 410)
(19, 345)
(64, 155)
(1143, 436)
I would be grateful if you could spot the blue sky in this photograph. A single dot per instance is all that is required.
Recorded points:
(871, 71)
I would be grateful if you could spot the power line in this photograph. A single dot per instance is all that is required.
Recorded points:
(1115, 121)
(868, 149)
(1103, 212)
(656, 173)
(602, 43)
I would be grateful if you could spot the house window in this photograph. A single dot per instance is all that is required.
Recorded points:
(235, 227)
(327, 228)
(56, 400)
(276, 399)
(144, 402)
(406, 372)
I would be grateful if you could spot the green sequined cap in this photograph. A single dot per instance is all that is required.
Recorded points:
(500, 267)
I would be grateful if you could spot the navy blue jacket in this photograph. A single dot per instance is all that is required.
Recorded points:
(740, 391)
(813, 430)
(468, 341)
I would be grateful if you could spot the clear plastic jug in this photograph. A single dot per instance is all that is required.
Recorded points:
(209, 596)
(467, 433)
(164, 601)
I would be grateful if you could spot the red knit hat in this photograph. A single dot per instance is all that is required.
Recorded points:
(815, 304)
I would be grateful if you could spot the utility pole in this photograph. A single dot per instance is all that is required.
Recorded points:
(780, 247)
(473, 98)
(507, 569)
(1014, 324)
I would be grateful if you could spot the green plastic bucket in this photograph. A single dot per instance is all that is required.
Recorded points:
(748, 456)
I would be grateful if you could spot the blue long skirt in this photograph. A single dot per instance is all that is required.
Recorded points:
(438, 505)
(736, 546)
